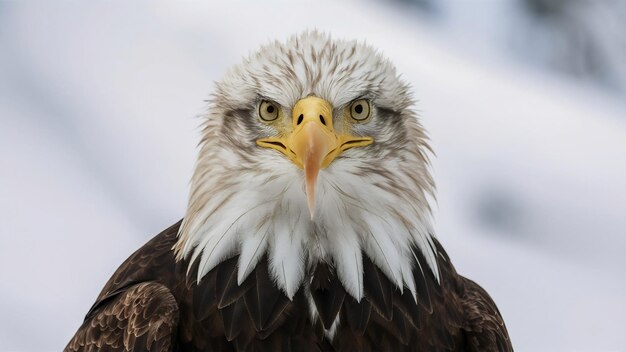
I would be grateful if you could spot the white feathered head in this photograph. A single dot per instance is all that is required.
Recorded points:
(310, 152)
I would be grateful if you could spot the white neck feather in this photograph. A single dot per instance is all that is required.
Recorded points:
(265, 213)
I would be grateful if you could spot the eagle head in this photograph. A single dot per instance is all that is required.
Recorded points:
(310, 153)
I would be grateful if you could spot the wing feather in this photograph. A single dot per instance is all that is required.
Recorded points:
(144, 317)
(378, 289)
(265, 302)
(226, 283)
(328, 294)
(232, 316)
(486, 330)
(421, 282)
(411, 311)
(357, 314)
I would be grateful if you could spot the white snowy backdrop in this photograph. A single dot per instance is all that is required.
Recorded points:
(99, 108)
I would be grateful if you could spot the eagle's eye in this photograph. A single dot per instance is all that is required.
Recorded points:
(268, 111)
(360, 110)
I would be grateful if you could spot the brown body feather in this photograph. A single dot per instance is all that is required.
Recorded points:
(151, 304)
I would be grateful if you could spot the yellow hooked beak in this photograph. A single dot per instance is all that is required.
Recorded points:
(313, 144)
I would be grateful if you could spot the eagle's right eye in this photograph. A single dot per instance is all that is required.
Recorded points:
(268, 111)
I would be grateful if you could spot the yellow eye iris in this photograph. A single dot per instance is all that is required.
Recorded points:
(268, 111)
(360, 110)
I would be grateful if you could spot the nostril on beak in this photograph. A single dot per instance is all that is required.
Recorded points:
(322, 120)
(300, 118)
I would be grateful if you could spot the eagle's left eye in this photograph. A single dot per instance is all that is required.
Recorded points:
(268, 111)
(360, 110)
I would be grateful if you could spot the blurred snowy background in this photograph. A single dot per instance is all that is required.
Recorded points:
(524, 101)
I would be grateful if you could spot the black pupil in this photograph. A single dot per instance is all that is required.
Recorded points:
(358, 109)
(270, 109)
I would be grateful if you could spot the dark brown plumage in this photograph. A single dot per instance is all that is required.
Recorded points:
(151, 304)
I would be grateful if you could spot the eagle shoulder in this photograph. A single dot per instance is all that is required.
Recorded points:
(144, 317)
(136, 307)
(485, 329)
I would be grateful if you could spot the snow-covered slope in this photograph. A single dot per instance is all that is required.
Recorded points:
(98, 116)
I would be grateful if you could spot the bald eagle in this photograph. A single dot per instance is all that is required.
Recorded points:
(308, 224)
